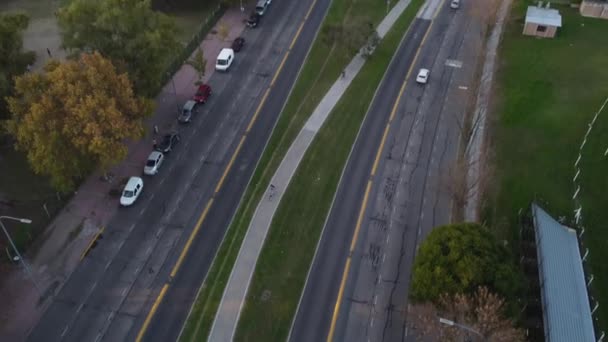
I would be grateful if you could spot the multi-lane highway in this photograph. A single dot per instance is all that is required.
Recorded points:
(110, 294)
(395, 187)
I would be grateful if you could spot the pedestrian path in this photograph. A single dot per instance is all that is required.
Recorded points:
(235, 293)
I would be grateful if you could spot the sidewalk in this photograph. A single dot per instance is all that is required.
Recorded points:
(235, 293)
(92, 207)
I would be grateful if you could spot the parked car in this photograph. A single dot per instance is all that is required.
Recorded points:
(455, 4)
(254, 20)
(261, 7)
(202, 93)
(224, 59)
(168, 143)
(131, 192)
(186, 114)
(238, 44)
(155, 160)
(423, 76)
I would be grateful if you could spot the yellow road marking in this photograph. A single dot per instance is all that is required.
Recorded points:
(257, 111)
(84, 253)
(199, 223)
(232, 159)
(334, 319)
(162, 293)
(201, 219)
(280, 67)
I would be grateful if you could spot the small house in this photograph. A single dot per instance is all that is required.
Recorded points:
(594, 8)
(542, 21)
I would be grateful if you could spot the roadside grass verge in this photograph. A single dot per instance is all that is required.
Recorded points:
(283, 265)
(322, 67)
(549, 90)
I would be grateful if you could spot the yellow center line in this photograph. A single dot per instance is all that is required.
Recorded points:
(230, 163)
(334, 319)
(199, 223)
(144, 327)
(201, 219)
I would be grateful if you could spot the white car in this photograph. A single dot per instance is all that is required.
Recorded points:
(454, 4)
(131, 192)
(224, 59)
(423, 76)
(155, 160)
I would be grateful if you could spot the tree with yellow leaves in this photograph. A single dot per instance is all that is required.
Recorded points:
(74, 117)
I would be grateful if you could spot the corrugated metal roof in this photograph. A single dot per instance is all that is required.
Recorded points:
(566, 309)
(543, 16)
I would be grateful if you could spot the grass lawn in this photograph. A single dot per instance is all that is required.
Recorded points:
(549, 90)
(189, 16)
(23, 194)
(322, 68)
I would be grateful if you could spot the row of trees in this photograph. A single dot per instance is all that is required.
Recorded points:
(77, 115)
(463, 274)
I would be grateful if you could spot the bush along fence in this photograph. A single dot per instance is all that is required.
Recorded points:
(194, 42)
(578, 215)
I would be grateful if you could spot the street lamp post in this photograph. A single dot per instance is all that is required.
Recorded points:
(27, 268)
(461, 326)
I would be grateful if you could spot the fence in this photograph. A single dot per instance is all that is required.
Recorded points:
(578, 214)
(194, 42)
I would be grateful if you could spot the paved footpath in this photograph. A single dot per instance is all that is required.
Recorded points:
(91, 206)
(226, 319)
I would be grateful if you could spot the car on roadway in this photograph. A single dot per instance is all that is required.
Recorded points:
(133, 188)
(224, 59)
(187, 110)
(254, 20)
(202, 93)
(455, 4)
(238, 44)
(155, 160)
(168, 143)
(261, 6)
(423, 76)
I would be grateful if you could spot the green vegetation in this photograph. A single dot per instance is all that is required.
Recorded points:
(287, 254)
(52, 124)
(459, 258)
(323, 66)
(549, 91)
(135, 38)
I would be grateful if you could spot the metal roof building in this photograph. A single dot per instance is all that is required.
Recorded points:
(566, 309)
(542, 22)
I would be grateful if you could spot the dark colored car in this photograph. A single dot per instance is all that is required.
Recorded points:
(202, 93)
(254, 20)
(167, 143)
(238, 44)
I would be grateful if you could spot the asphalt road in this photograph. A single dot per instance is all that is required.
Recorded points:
(110, 293)
(410, 192)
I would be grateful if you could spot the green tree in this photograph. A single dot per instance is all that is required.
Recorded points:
(75, 117)
(136, 38)
(459, 258)
(13, 60)
(198, 63)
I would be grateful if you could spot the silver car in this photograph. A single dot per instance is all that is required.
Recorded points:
(155, 160)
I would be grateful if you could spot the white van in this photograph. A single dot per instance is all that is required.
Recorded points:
(454, 4)
(224, 59)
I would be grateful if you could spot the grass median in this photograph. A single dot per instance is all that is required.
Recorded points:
(549, 91)
(289, 249)
(323, 66)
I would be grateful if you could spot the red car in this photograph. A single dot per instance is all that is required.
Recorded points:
(203, 93)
